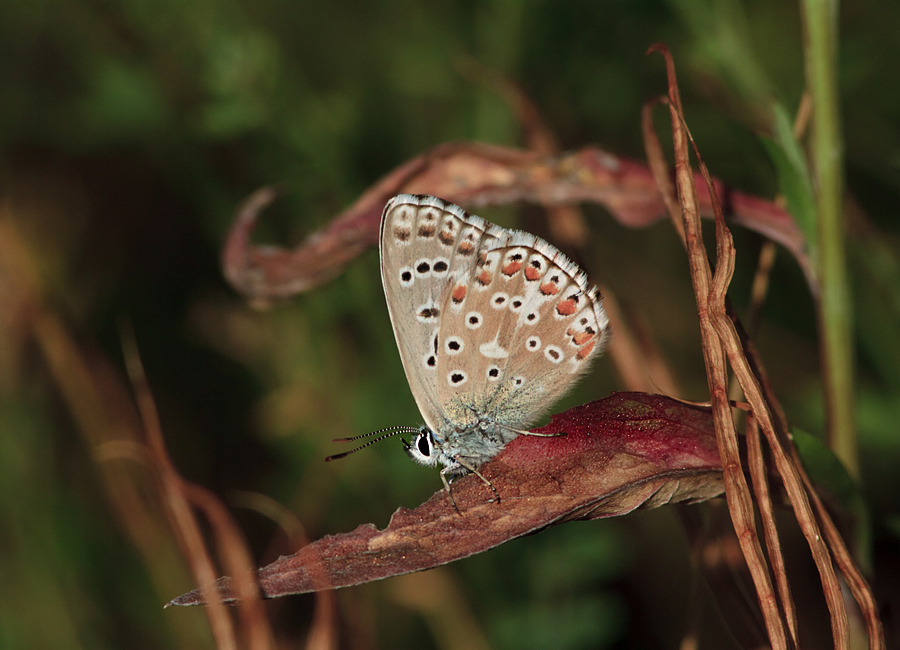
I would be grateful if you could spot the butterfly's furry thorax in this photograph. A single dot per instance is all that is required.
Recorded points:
(474, 444)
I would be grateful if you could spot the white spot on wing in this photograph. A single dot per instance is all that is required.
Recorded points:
(493, 350)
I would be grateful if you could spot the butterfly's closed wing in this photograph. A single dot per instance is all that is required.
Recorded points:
(493, 325)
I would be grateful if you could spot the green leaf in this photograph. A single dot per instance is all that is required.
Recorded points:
(825, 469)
(793, 176)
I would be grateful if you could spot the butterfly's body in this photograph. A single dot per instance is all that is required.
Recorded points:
(460, 448)
(493, 326)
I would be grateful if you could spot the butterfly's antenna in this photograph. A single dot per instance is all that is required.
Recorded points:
(398, 429)
(391, 431)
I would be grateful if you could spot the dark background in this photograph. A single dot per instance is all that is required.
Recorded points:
(130, 131)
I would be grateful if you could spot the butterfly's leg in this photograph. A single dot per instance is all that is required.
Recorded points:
(543, 435)
(447, 487)
(472, 469)
(522, 432)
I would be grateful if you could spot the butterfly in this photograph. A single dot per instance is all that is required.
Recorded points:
(493, 326)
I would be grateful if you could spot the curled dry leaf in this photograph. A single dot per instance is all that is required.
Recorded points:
(628, 451)
(475, 175)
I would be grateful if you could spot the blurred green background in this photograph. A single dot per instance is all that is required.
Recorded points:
(130, 131)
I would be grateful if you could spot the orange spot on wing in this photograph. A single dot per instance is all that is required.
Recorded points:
(532, 273)
(583, 337)
(512, 267)
(459, 293)
(585, 352)
(485, 277)
(566, 307)
(549, 289)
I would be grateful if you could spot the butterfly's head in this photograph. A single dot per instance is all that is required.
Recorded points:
(423, 448)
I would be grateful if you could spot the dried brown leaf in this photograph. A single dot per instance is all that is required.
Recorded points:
(628, 451)
(475, 175)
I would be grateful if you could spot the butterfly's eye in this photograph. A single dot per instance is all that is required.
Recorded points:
(424, 445)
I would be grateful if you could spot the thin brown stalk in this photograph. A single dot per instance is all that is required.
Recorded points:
(178, 507)
(759, 477)
(858, 585)
(660, 169)
(237, 562)
(760, 287)
(788, 470)
(726, 332)
(323, 633)
(737, 491)
(181, 497)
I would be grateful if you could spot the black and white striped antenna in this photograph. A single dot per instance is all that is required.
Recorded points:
(387, 433)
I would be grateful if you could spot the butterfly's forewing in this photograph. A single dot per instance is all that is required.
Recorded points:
(418, 243)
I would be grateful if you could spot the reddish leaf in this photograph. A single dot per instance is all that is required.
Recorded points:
(628, 451)
(475, 175)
